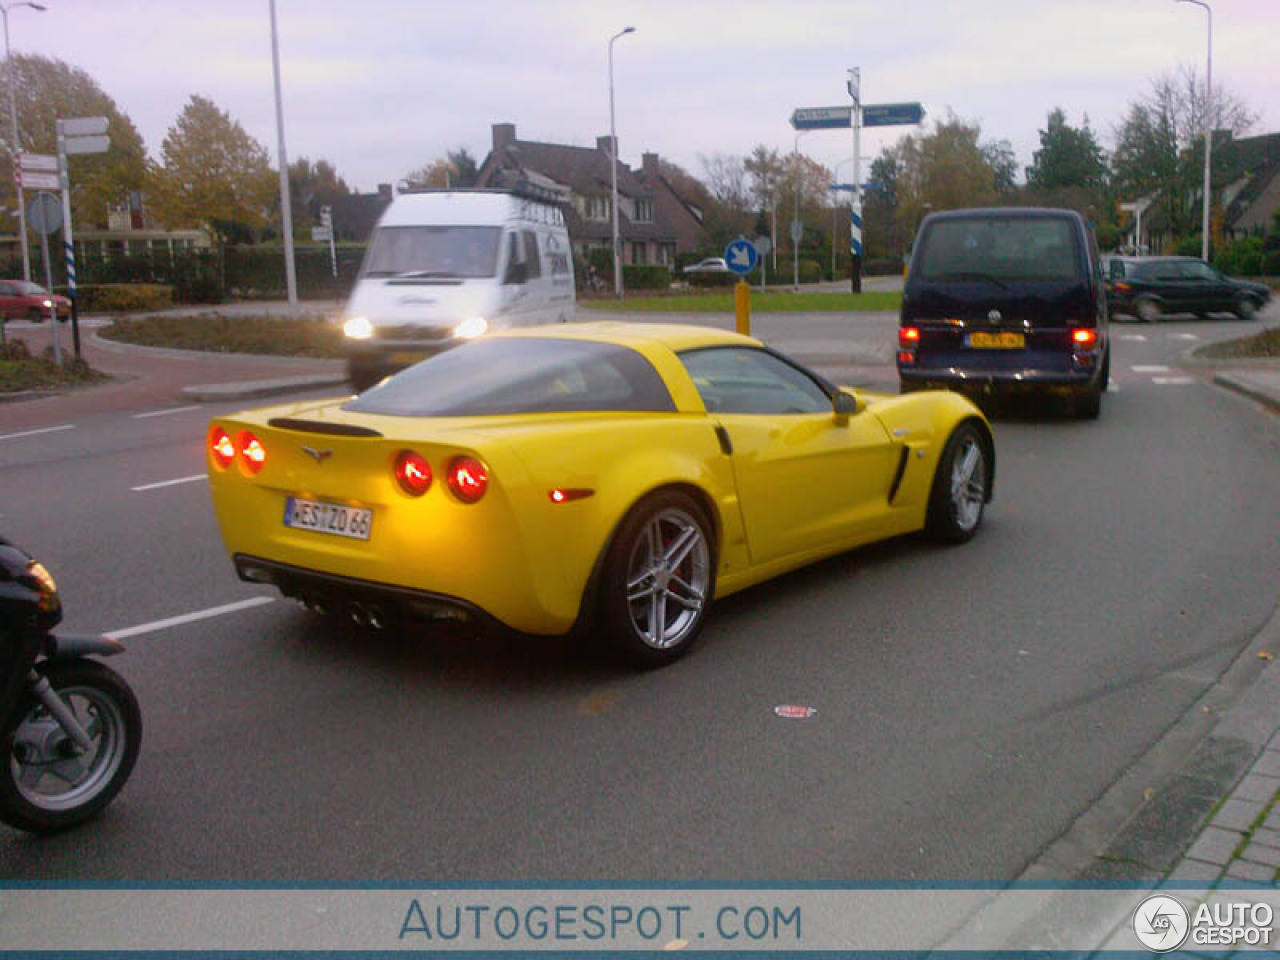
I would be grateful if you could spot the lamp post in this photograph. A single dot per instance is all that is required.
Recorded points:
(613, 156)
(286, 204)
(1208, 128)
(14, 147)
(795, 212)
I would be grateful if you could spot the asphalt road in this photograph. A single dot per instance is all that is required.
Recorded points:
(971, 702)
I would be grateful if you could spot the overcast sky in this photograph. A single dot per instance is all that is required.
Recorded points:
(382, 87)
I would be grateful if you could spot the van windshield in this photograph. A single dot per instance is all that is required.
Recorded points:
(433, 251)
(998, 249)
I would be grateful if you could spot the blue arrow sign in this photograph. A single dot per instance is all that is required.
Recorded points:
(741, 256)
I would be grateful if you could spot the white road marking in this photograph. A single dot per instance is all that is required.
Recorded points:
(1172, 381)
(1156, 368)
(168, 483)
(1113, 387)
(1135, 337)
(190, 617)
(1183, 336)
(32, 433)
(165, 413)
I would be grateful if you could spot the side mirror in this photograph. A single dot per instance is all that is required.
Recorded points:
(846, 404)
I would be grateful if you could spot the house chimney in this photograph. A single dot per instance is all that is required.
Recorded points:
(602, 144)
(504, 135)
(650, 166)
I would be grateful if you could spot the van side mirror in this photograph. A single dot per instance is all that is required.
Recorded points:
(516, 273)
(847, 404)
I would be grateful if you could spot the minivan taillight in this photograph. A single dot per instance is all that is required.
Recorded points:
(908, 337)
(1084, 338)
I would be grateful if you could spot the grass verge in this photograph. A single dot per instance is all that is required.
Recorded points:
(304, 336)
(1260, 345)
(22, 370)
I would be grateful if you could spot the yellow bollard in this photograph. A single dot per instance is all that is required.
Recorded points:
(742, 307)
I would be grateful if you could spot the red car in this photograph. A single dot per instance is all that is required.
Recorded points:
(30, 301)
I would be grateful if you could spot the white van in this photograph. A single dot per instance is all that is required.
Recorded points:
(445, 266)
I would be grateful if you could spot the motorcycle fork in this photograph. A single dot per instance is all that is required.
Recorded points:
(59, 710)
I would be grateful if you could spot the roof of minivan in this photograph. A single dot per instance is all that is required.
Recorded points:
(1004, 212)
(463, 208)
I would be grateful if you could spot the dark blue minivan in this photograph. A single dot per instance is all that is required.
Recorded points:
(1006, 299)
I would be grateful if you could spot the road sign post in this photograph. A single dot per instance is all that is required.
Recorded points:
(45, 216)
(76, 135)
(741, 256)
(326, 221)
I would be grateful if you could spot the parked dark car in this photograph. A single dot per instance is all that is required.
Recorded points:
(1009, 300)
(1149, 287)
(29, 301)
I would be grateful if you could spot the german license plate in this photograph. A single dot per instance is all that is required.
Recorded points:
(331, 518)
(997, 341)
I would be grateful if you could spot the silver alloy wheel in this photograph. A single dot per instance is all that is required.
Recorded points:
(1247, 308)
(50, 771)
(1148, 311)
(668, 575)
(968, 484)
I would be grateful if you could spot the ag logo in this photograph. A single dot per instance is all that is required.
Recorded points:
(1161, 923)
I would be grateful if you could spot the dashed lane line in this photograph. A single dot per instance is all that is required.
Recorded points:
(185, 618)
(33, 433)
(166, 412)
(169, 483)
(1150, 368)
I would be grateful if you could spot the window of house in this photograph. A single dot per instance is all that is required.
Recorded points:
(644, 211)
(597, 208)
(639, 253)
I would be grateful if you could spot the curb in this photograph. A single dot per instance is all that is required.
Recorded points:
(1240, 383)
(261, 388)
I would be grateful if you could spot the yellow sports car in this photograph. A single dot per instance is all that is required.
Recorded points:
(604, 477)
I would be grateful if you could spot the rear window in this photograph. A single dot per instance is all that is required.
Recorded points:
(525, 375)
(998, 248)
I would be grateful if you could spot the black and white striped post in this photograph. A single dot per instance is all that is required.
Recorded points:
(76, 135)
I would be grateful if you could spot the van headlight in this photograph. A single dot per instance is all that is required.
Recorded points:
(471, 328)
(358, 328)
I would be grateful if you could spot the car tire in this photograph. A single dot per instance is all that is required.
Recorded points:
(34, 315)
(1247, 308)
(1087, 404)
(960, 485)
(1148, 311)
(660, 570)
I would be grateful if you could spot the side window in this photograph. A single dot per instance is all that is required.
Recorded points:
(750, 380)
(516, 269)
(531, 257)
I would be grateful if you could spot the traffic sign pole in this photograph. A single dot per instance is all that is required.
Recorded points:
(76, 135)
(855, 203)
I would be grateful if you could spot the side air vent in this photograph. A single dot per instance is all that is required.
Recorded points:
(319, 426)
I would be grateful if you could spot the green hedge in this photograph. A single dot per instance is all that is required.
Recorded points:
(1241, 258)
(123, 297)
(645, 277)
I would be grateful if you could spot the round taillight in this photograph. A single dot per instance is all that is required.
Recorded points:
(468, 479)
(223, 450)
(252, 452)
(908, 336)
(1084, 337)
(413, 473)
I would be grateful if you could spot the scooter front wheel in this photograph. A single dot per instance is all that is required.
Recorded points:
(48, 782)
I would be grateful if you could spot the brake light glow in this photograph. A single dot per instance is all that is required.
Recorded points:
(564, 495)
(413, 473)
(1084, 338)
(908, 337)
(468, 479)
(223, 450)
(1123, 287)
(252, 452)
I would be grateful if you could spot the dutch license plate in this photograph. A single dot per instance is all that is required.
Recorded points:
(997, 341)
(331, 518)
(408, 359)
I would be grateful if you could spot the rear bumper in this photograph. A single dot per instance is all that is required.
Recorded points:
(1011, 380)
(361, 600)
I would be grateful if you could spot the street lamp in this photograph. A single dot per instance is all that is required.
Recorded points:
(14, 147)
(286, 203)
(796, 232)
(1208, 128)
(613, 155)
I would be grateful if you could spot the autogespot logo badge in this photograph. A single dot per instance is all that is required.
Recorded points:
(1161, 923)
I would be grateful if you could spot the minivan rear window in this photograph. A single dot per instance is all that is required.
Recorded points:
(997, 248)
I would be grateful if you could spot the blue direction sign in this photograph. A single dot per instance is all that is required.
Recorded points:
(891, 114)
(873, 115)
(741, 256)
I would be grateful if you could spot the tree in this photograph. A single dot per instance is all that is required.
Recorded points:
(730, 214)
(767, 171)
(1159, 143)
(312, 186)
(457, 168)
(1068, 156)
(212, 174)
(46, 89)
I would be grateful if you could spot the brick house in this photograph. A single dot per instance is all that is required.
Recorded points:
(654, 221)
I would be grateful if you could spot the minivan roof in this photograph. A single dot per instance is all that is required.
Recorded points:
(970, 212)
(462, 208)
